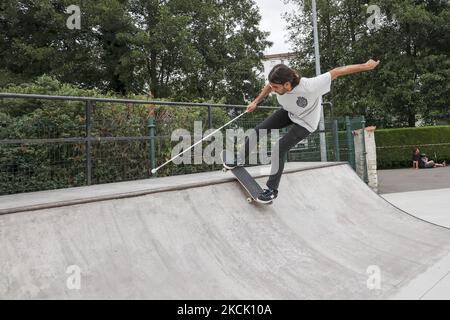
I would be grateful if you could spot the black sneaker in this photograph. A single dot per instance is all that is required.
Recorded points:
(267, 196)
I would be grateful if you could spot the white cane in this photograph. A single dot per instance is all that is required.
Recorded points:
(209, 135)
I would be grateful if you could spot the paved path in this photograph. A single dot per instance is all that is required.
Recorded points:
(429, 205)
(402, 180)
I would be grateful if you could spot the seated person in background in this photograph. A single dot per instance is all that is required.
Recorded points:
(416, 158)
(425, 163)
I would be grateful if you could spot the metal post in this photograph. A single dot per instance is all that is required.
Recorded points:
(288, 156)
(336, 140)
(209, 117)
(316, 37)
(88, 135)
(334, 130)
(365, 173)
(323, 141)
(152, 149)
(351, 152)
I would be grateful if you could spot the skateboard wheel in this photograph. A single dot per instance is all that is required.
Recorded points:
(224, 170)
(249, 200)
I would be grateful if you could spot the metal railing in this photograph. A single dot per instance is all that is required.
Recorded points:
(151, 138)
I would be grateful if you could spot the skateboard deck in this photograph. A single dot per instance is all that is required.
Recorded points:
(244, 178)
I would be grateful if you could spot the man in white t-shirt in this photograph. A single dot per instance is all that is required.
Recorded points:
(301, 102)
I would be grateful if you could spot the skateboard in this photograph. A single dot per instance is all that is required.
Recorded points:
(244, 178)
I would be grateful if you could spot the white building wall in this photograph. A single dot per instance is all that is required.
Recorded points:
(272, 62)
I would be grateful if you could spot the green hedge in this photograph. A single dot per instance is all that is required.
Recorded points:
(395, 146)
(33, 167)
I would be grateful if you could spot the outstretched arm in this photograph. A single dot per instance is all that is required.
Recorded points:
(264, 93)
(356, 68)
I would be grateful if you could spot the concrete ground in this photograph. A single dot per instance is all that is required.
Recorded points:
(403, 180)
(328, 236)
(430, 205)
(424, 193)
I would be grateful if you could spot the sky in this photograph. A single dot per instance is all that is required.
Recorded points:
(271, 11)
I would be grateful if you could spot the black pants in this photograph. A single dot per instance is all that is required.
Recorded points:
(280, 119)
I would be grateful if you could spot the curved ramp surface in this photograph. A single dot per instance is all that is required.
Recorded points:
(328, 236)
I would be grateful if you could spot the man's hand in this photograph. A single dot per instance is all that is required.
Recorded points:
(264, 93)
(371, 64)
(252, 106)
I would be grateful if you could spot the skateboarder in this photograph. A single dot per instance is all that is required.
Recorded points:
(300, 99)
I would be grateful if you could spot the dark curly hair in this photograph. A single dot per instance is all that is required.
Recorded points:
(281, 74)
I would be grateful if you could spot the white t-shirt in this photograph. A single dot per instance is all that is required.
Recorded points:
(304, 102)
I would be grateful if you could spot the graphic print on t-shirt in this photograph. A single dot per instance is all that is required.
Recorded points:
(302, 102)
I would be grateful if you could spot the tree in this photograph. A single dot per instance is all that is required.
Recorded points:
(411, 40)
(174, 48)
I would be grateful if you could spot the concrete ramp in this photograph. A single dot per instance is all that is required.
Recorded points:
(328, 236)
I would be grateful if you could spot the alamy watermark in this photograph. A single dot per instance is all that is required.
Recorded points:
(258, 151)
(74, 20)
(374, 279)
(73, 281)
(374, 21)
